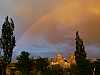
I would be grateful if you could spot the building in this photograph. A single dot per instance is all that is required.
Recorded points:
(11, 69)
(64, 62)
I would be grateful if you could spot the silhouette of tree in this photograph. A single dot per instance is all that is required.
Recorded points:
(80, 56)
(0, 47)
(74, 70)
(97, 67)
(8, 39)
(57, 70)
(42, 64)
(23, 62)
(80, 49)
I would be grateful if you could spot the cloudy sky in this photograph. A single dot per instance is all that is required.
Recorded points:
(44, 27)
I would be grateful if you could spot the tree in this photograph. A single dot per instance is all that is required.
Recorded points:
(80, 49)
(0, 46)
(42, 64)
(74, 70)
(97, 67)
(8, 39)
(57, 70)
(80, 56)
(23, 62)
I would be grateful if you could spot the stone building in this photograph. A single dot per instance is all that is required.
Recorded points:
(64, 62)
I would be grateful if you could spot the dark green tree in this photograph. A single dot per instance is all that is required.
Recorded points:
(42, 64)
(23, 63)
(0, 46)
(74, 70)
(97, 67)
(80, 49)
(8, 39)
(80, 56)
(56, 70)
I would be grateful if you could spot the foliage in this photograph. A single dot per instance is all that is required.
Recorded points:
(80, 49)
(41, 64)
(8, 39)
(23, 62)
(58, 70)
(74, 70)
(97, 67)
(80, 56)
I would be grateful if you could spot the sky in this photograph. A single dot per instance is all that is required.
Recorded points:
(45, 27)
